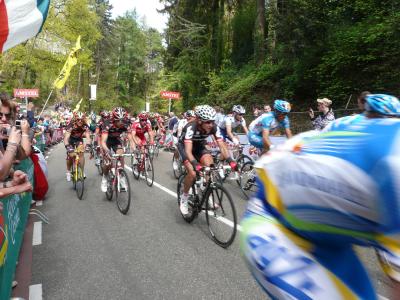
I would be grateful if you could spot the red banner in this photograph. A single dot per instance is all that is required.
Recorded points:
(22, 93)
(170, 95)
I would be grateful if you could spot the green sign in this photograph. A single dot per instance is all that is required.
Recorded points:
(13, 220)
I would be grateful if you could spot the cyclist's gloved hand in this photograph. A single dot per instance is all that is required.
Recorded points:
(236, 142)
(232, 164)
(196, 166)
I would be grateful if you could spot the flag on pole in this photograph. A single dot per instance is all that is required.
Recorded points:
(78, 106)
(72, 60)
(20, 20)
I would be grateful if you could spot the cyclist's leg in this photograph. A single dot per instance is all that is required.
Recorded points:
(190, 172)
(289, 267)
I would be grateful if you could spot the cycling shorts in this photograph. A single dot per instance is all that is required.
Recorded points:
(197, 152)
(289, 267)
(75, 141)
(256, 140)
(114, 144)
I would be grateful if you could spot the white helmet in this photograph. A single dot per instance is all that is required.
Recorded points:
(238, 109)
(205, 112)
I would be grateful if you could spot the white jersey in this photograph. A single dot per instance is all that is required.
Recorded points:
(180, 126)
(230, 120)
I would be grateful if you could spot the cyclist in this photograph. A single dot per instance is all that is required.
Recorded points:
(111, 138)
(230, 122)
(318, 197)
(93, 124)
(104, 116)
(261, 128)
(189, 117)
(76, 130)
(192, 148)
(139, 129)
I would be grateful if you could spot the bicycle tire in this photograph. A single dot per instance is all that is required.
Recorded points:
(80, 184)
(149, 170)
(123, 208)
(110, 187)
(178, 171)
(135, 168)
(100, 166)
(193, 211)
(73, 175)
(223, 205)
(245, 173)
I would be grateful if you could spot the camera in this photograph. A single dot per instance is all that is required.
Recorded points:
(18, 124)
(5, 131)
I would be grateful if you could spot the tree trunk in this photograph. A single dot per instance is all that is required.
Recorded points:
(259, 33)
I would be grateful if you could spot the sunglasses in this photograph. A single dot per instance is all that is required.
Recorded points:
(208, 122)
(8, 116)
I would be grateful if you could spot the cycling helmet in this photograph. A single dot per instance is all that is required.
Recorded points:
(190, 114)
(143, 116)
(205, 112)
(151, 115)
(156, 115)
(93, 116)
(382, 104)
(105, 114)
(282, 106)
(238, 109)
(119, 113)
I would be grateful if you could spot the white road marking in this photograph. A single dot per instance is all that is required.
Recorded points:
(37, 234)
(47, 157)
(173, 194)
(35, 292)
(39, 203)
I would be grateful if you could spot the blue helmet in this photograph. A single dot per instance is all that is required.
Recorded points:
(282, 106)
(382, 104)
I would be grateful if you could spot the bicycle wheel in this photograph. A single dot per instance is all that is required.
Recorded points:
(135, 167)
(193, 211)
(73, 175)
(220, 215)
(148, 171)
(80, 183)
(100, 165)
(247, 179)
(123, 192)
(176, 167)
(110, 186)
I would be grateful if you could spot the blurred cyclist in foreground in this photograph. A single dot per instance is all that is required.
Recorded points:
(321, 194)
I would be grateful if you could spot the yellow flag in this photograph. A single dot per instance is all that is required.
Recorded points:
(78, 106)
(66, 70)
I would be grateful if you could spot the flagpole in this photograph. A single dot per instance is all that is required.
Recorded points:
(48, 98)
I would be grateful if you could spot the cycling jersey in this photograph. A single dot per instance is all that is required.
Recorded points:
(114, 140)
(192, 134)
(267, 121)
(230, 120)
(75, 131)
(318, 196)
(140, 130)
(181, 124)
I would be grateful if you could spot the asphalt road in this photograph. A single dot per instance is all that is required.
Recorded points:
(91, 251)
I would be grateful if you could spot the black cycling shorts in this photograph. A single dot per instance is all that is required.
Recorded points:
(114, 144)
(74, 142)
(197, 152)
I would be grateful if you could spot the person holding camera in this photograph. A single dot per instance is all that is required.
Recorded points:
(326, 116)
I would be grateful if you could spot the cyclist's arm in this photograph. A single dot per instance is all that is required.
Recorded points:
(88, 139)
(135, 138)
(224, 149)
(104, 137)
(151, 135)
(67, 135)
(245, 129)
(230, 133)
(188, 150)
(266, 141)
(288, 133)
(132, 143)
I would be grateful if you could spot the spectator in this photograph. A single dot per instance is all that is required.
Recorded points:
(30, 114)
(326, 116)
(361, 100)
(7, 121)
(256, 112)
(172, 121)
(267, 108)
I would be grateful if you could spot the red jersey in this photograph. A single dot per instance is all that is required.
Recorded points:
(139, 130)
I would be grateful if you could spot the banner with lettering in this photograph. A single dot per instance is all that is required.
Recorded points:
(13, 218)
